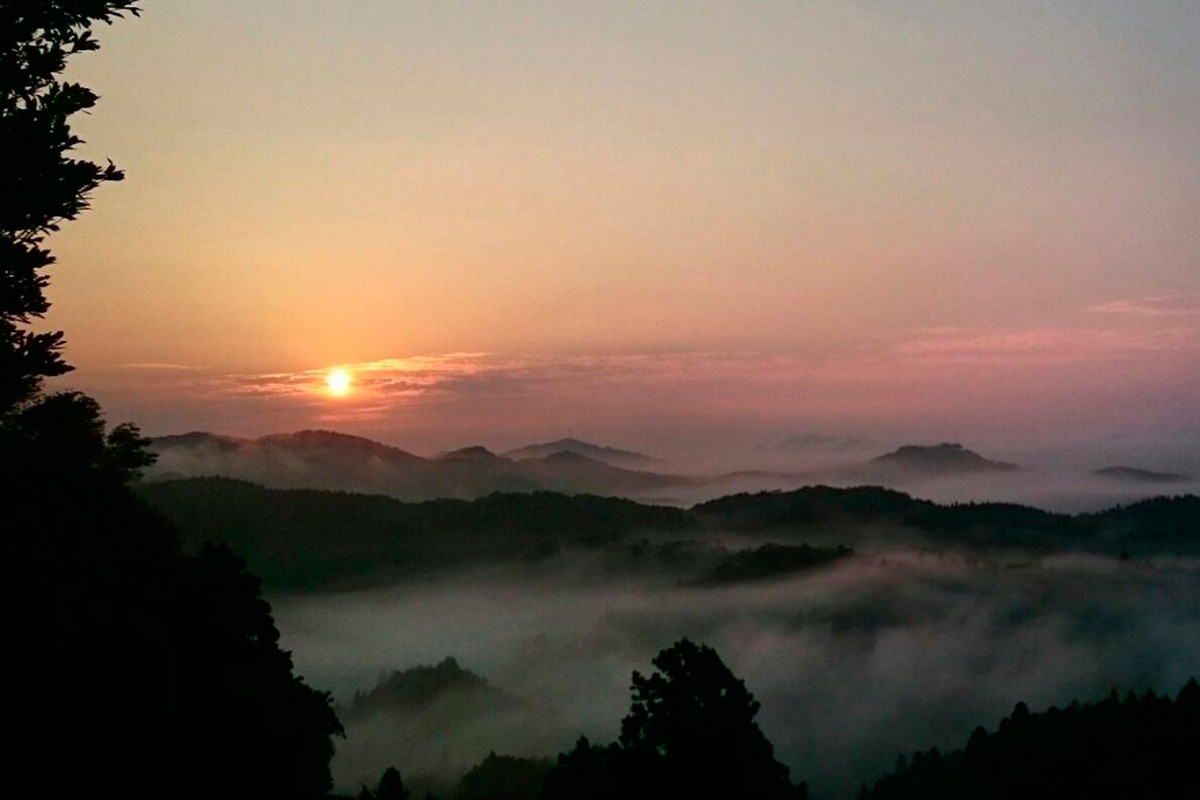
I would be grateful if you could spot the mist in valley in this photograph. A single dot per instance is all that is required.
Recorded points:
(897, 648)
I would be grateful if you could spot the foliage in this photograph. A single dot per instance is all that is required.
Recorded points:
(690, 732)
(771, 561)
(40, 185)
(418, 687)
(1136, 747)
(142, 672)
(302, 538)
(504, 778)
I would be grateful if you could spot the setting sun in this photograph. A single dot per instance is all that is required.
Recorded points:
(338, 381)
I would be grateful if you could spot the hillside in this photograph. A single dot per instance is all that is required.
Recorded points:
(597, 452)
(940, 459)
(1135, 475)
(307, 539)
(317, 459)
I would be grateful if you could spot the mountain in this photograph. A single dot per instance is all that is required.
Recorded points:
(305, 539)
(475, 454)
(1135, 475)
(940, 459)
(770, 561)
(198, 440)
(417, 688)
(320, 444)
(596, 452)
(1168, 525)
(439, 720)
(317, 459)
(568, 471)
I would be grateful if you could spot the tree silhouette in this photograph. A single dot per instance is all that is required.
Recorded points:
(690, 732)
(1137, 747)
(141, 672)
(391, 786)
(41, 186)
(692, 725)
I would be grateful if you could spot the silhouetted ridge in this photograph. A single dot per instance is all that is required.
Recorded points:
(945, 458)
(771, 561)
(196, 439)
(610, 455)
(1162, 524)
(1135, 747)
(412, 689)
(318, 459)
(1135, 475)
(307, 538)
(474, 453)
(331, 441)
(504, 778)
(303, 538)
(569, 471)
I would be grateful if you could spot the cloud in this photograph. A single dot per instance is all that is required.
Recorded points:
(1045, 346)
(155, 365)
(1165, 305)
(891, 651)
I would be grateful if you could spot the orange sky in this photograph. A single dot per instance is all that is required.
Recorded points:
(916, 216)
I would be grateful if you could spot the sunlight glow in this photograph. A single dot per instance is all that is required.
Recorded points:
(338, 382)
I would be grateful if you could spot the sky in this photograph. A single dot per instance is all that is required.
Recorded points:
(656, 224)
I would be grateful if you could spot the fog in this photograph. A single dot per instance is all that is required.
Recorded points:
(1060, 479)
(1049, 488)
(890, 651)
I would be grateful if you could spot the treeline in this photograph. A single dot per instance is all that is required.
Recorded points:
(1161, 524)
(1117, 748)
(307, 539)
(690, 732)
(303, 539)
(412, 689)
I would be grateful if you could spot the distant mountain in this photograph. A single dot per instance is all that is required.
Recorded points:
(1135, 475)
(475, 453)
(415, 689)
(322, 444)
(770, 561)
(317, 459)
(437, 721)
(197, 440)
(940, 459)
(1157, 525)
(609, 455)
(304, 539)
(568, 471)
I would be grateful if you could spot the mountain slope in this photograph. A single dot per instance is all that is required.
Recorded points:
(318, 459)
(609, 455)
(942, 459)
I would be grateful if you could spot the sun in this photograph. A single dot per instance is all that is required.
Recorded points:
(338, 381)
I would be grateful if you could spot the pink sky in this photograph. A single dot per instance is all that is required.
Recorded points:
(659, 221)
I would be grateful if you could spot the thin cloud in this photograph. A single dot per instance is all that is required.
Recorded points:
(156, 365)
(1164, 305)
(1048, 346)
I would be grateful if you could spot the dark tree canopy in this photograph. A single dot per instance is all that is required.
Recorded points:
(1136, 747)
(391, 786)
(690, 732)
(41, 186)
(140, 672)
